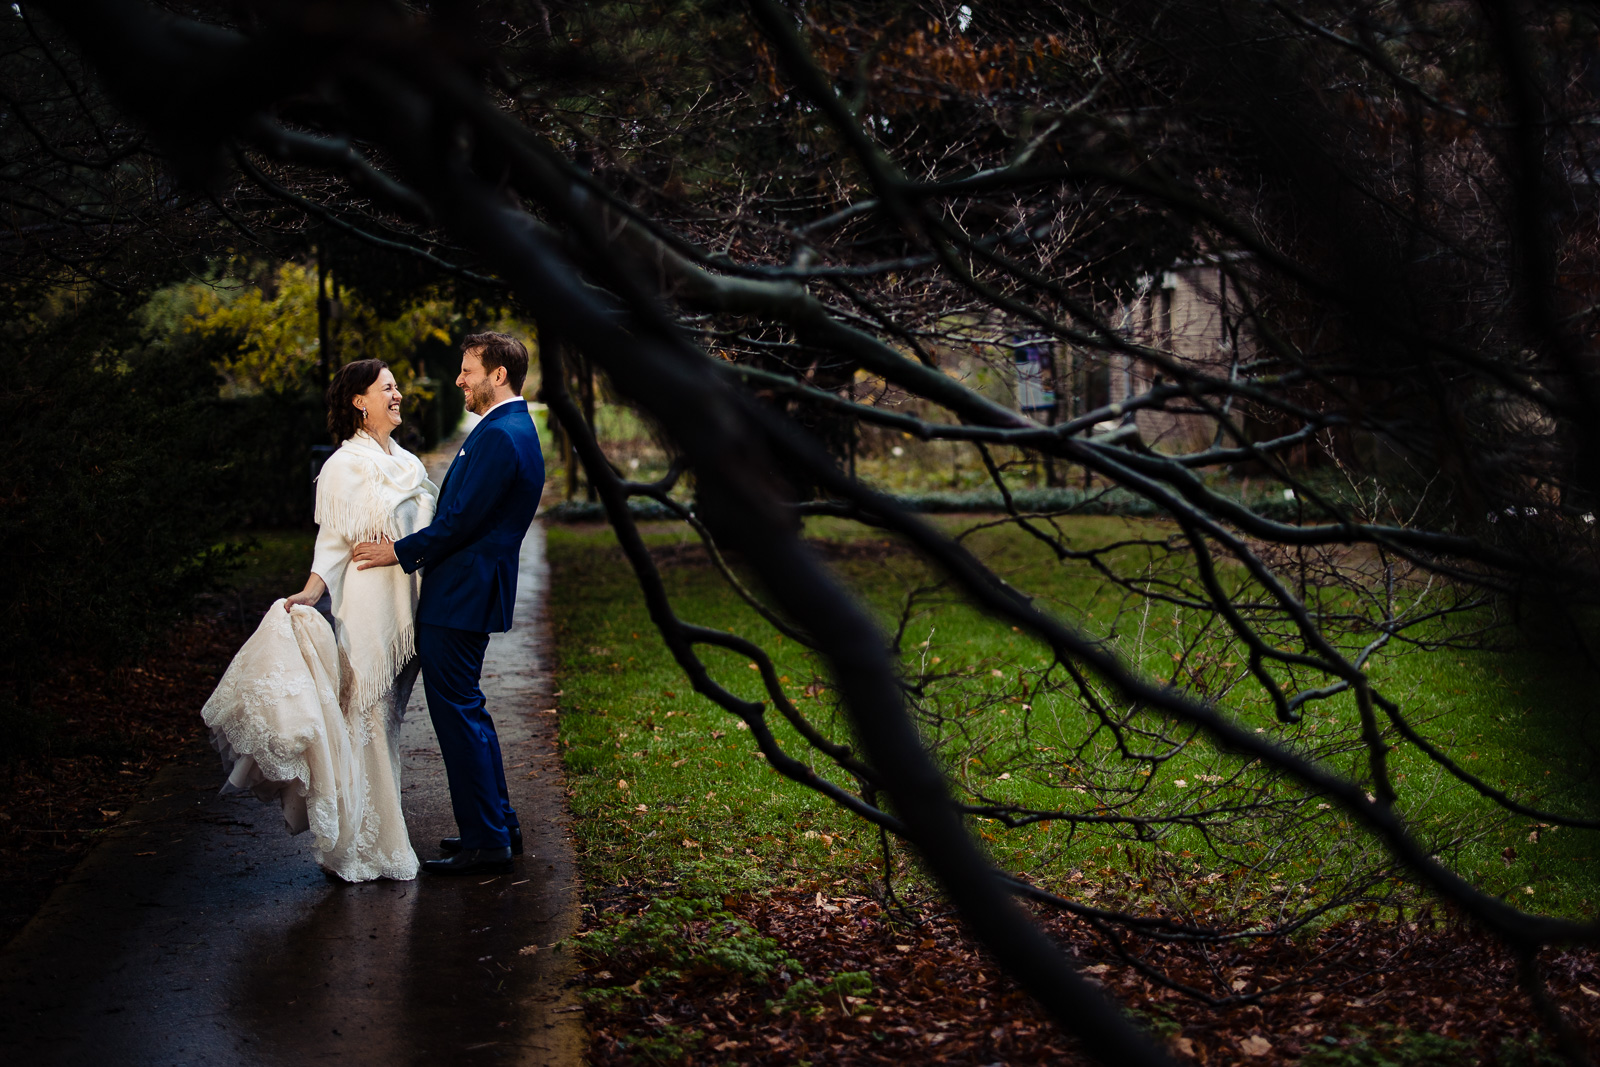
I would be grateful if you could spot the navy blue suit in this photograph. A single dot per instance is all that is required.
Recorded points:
(469, 555)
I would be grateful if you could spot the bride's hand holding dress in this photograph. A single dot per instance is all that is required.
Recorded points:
(308, 597)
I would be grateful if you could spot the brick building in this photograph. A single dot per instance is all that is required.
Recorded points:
(1193, 312)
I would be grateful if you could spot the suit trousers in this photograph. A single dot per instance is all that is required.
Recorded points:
(452, 663)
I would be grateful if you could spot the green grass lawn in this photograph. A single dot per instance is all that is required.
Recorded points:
(667, 787)
(668, 790)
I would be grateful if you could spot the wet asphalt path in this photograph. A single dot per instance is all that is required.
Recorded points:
(199, 932)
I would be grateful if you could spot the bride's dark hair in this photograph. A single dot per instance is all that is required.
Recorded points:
(351, 381)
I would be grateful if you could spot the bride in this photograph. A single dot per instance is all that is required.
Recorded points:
(310, 715)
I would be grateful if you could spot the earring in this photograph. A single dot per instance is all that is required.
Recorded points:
(363, 413)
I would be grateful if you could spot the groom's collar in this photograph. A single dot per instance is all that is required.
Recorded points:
(490, 414)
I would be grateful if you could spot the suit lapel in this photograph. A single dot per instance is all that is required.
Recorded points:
(445, 485)
(495, 414)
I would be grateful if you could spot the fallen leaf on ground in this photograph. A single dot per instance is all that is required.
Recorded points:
(1255, 1045)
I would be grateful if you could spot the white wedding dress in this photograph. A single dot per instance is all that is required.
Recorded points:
(309, 714)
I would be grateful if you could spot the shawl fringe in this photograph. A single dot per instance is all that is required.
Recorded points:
(358, 520)
(368, 687)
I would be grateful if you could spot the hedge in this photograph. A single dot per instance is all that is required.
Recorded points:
(1270, 505)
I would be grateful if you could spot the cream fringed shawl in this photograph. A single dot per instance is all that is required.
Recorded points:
(364, 492)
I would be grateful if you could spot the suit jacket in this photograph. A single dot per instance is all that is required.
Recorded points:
(470, 551)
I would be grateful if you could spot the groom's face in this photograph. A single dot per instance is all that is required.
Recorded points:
(478, 385)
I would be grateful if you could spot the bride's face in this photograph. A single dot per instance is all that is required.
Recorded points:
(381, 402)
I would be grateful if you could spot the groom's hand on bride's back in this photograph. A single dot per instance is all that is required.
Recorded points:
(379, 553)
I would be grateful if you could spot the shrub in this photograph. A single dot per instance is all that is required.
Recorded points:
(115, 491)
(1065, 501)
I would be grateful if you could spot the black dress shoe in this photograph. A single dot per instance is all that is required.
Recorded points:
(453, 844)
(472, 861)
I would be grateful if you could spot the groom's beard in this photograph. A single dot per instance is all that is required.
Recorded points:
(480, 398)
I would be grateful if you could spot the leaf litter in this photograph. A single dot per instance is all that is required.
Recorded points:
(1360, 991)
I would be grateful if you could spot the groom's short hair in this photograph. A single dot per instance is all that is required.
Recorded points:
(500, 350)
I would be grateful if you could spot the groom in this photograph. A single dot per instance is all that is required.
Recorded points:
(469, 589)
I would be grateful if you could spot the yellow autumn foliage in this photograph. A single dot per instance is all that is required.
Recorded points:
(274, 330)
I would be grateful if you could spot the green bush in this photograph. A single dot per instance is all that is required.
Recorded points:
(116, 483)
(1070, 500)
(593, 511)
(262, 447)
(263, 444)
